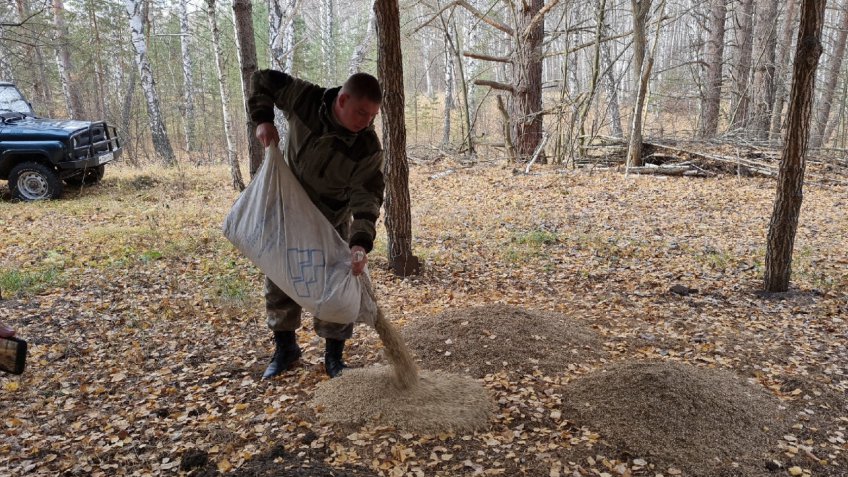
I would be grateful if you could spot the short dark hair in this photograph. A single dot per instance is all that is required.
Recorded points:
(363, 85)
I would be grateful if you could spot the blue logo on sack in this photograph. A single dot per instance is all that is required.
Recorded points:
(304, 267)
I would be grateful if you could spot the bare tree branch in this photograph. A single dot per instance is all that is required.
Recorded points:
(480, 56)
(495, 85)
(540, 15)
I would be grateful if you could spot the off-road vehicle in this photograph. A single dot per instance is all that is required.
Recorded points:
(37, 155)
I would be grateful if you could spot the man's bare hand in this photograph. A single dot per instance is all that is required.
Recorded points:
(267, 134)
(359, 258)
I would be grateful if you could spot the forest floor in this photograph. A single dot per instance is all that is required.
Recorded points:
(148, 339)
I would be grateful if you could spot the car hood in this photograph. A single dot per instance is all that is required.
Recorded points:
(44, 128)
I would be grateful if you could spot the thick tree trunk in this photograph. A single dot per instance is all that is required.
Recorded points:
(66, 67)
(819, 137)
(243, 13)
(161, 143)
(790, 181)
(745, 40)
(397, 206)
(189, 120)
(766, 38)
(527, 80)
(714, 57)
(782, 69)
(362, 47)
(232, 157)
(640, 9)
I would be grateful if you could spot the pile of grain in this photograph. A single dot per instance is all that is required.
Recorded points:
(400, 396)
(699, 420)
(488, 339)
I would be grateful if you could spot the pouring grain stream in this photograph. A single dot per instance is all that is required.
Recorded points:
(403, 366)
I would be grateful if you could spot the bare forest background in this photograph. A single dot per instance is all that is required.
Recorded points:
(538, 81)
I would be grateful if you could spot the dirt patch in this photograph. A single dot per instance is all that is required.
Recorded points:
(483, 340)
(438, 402)
(699, 420)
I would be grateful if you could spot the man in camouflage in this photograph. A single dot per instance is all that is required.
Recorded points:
(334, 152)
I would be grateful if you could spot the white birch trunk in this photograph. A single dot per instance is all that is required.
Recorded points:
(232, 157)
(449, 101)
(328, 46)
(362, 48)
(161, 143)
(281, 34)
(63, 61)
(189, 122)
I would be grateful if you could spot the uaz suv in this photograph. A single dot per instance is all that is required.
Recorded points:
(37, 155)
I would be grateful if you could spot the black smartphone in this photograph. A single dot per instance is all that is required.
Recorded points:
(12, 355)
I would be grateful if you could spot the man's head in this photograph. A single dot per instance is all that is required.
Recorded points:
(358, 102)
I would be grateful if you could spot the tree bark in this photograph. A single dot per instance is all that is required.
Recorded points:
(397, 206)
(362, 47)
(243, 14)
(161, 143)
(328, 40)
(232, 157)
(527, 80)
(450, 102)
(66, 67)
(763, 96)
(780, 79)
(612, 89)
(825, 102)
(790, 181)
(745, 39)
(281, 34)
(99, 75)
(189, 120)
(640, 9)
(714, 57)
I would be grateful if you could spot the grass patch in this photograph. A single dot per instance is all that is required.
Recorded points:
(23, 282)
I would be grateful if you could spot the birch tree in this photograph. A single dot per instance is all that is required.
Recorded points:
(189, 121)
(281, 34)
(328, 39)
(790, 180)
(161, 143)
(362, 47)
(64, 63)
(232, 157)
(243, 14)
(397, 205)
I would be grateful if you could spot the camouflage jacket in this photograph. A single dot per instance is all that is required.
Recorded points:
(341, 171)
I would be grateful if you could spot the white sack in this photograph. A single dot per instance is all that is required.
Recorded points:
(276, 226)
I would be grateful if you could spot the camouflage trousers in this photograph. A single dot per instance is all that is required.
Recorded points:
(283, 314)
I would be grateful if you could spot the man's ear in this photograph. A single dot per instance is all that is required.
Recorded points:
(343, 97)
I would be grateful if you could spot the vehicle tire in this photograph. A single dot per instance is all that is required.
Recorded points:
(33, 181)
(91, 176)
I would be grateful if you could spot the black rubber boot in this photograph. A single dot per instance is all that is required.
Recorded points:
(286, 354)
(333, 363)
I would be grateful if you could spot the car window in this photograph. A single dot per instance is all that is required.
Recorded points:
(12, 100)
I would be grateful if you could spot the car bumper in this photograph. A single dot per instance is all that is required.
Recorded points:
(91, 162)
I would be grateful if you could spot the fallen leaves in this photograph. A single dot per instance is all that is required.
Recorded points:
(148, 342)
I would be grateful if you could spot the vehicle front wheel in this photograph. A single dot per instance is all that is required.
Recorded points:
(91, 176)
(33, 181)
